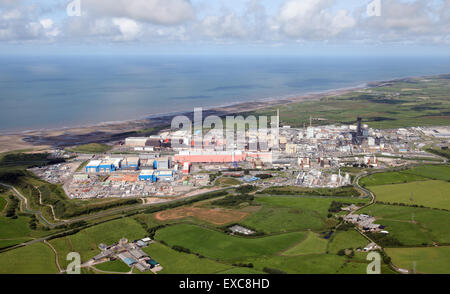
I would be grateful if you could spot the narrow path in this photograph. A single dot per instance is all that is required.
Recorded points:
(48, 205)
(56, 255)
(24, 205)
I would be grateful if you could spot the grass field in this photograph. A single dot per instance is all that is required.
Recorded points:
(301, 191)
(113, 266)
(413, 226)
(2, 204)
(240, 271)
(433, 194)
(288, 213)
(345, 240)
(34, 259)
(313, 244)
(14, 228)
(90, 148)
(282, 219)
(222, 246)
(428, 260)
(376, 106)
(301, 264)
(390, 178)
(226, 182)
(174, 262)
(435, 172)
(86, 241)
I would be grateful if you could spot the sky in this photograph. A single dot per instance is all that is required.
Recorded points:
(278, 27)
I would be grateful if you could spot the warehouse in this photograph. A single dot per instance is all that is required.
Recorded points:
(148, 176)
(131, 162)
(93, 166)
(136, 141)
(210, 157)
(161, 164)
(107, 165)
(164, 175)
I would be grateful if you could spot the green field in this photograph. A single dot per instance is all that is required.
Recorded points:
(33, 259)
(313, 244)
(434, 172)
(240, 271)
(301, 264)
(218, 245)
(412, 226)
(390, 178)
(113, 266)
(174, 262)
(405, 103)
(289, 213)
(90, 148)
(86, 241)
(433, 194)
(349, 191)
(226, 182)
(428, 260)
(14, 228)
(282, 219)
(346, 240)
(2, 204)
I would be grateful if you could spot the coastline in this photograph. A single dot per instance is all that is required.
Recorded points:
(110, 131)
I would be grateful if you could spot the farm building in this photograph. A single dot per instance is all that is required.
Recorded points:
(93, 166)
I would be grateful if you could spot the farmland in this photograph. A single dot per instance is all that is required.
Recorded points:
(182, 263)
(34, 259)
(413, 226)
(432, 194)
(86, 241)
(313, 244)
(218, 245)
(390, 178)
(428, 260)
(345, 240)
(376, 106)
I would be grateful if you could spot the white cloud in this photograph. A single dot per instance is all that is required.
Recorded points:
(129, 29)
(312, 19)
(163, 12)
(255, 21)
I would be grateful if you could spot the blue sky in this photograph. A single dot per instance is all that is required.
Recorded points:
(295, 27)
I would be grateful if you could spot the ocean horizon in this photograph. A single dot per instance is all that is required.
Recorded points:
(59, 92)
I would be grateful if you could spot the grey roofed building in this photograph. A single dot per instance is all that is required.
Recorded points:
(138, 253)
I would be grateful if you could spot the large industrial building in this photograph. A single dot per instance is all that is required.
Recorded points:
(210, 156)
(136, 141)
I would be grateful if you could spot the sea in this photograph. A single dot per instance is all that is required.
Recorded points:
(67, 91)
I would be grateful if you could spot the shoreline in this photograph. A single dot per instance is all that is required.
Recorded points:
(274, 100)
(104, 132)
